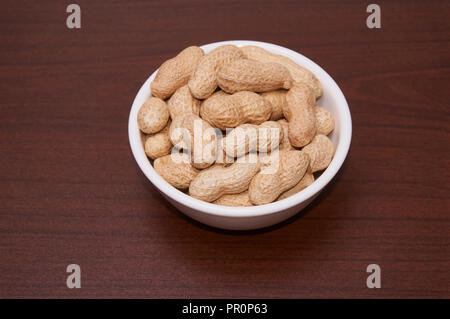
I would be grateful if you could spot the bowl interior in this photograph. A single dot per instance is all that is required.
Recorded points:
(332, 99)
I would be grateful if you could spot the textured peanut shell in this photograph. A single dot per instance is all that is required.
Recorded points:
(182, 102)
(254, 76)
(159, 144)
(324, 121)
(216, 181)
(277, 99)
(179, 175)
(266, 187)
(226, 111)
(153, 116)
(203, 81)
(285, 144)
(300, 113)
(306, 180)
(221, 156)
(320, 152)
(298, 73)
(202, 155)
(248, 138)
(175, 72)
(236, 200)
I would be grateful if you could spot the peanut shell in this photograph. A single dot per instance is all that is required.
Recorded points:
(203, 81)
(153, 116)
(254, 76)
(179, 173)
(320, 152)
(267, 185)
(299, 74)
(175, 72)
(227, 111)
(218, 180)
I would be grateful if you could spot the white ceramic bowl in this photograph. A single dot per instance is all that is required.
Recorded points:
(245, 218)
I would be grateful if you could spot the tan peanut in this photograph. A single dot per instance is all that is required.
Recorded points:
(324, 121)
(285, 144)
(159, 144)
(278, 101)
(298, 73)
(269, 183)
(182, 102)
(176, 169)
(226, 111)
(255, 76)
(190, 132)
(216, 181)
(300, 114)
(221, 156)
(306, 180)
(320, 152)
(249, 138)
(175, 72)
(153, 115)
(240, 199)
(203, 81)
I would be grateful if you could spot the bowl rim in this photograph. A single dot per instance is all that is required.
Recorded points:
(341, 150)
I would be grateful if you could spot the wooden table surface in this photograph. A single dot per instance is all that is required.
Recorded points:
(71, 191)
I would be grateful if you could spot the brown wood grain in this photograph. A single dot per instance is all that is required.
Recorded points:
(71, 192)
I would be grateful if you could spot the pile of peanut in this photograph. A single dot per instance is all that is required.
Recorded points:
(237, 90)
